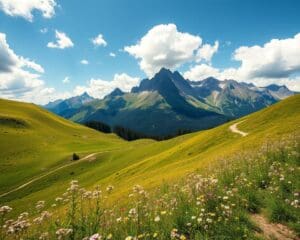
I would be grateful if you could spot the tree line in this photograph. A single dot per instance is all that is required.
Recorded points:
(129, 134)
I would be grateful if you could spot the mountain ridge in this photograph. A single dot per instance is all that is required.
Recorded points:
(167, 103)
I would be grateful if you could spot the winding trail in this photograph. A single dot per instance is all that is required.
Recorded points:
(273, 230)
(53, 171)
(233, 128)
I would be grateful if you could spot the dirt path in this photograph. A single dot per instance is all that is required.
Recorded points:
(90, 156)
(273, 230)
(233, 128)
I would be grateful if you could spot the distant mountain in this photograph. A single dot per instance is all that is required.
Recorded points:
(168, 103)
(279, 92)
(63, 107)
(233, 98)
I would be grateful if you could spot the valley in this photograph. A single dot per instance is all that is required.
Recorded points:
(149, 120)
(148, 163)
(124, 163)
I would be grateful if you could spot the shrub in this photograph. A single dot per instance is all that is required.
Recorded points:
(75, 157)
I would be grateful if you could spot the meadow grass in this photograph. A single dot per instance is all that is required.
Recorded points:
(48, 142)
(213, 204)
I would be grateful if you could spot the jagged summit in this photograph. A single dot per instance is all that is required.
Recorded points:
(168, 102)
(115, 92)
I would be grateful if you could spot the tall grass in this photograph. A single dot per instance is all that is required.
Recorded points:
(213, 204)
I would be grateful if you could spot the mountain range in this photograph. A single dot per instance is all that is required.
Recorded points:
(168, 103)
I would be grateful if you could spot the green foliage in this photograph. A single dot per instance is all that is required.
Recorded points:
(100, 126)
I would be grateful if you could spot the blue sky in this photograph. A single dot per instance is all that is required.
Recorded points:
(232, 23)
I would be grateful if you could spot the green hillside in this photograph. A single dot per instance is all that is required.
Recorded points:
(34, 141)
(42, 141)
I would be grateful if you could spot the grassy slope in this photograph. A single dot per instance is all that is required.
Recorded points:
(149, 163)
(34, 140)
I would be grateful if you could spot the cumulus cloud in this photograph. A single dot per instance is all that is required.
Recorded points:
(19, 76)
(112, 54)
(275, 59)
(99, 88)
(200, 72)
(99, 40)
(25, 8)
(277, 62)
(62, 41)
(206, 52)
(84, 62)
(164, 46)
(66, 80)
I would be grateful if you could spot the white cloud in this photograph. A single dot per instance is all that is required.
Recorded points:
(20, 78)
(25, 8)
(66, 80)
(99, 88)
(206, 52)
(18, 75)
(84, 62)
(62, 41)
(99, 41)
(275, 59)
(112, 54)
(200, 72)
(164, 46)
(44, 30)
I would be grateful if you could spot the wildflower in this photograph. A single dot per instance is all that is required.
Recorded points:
(129, 238)
(155, 235)
(109, 236)
(96, 236)
(23, 215)
(58, 199)
(39, 205)
(4, 210)
(174, 233)
(62, 233)
(157, 219)
(182, 237)
(140, 236)
(44, 236)
(109, 188)
(132, 212)
(96, 193)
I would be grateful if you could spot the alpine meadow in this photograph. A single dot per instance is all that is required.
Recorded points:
(129, 120)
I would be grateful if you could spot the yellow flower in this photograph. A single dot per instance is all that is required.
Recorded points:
(109, 236)
(182, 237)
(141, 236)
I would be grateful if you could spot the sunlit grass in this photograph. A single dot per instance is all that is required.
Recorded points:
(215, 205)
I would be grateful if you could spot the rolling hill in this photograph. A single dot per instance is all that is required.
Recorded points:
(145, 162)
(34, 141)
(167, 103)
